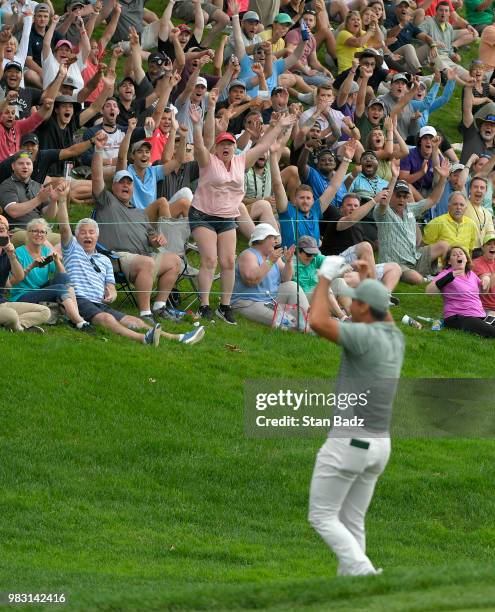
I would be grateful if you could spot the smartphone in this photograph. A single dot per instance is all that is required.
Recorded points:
(490, 319)
(48, 260)
(4, 241)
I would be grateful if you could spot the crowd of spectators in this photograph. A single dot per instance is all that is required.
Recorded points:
(304, 128)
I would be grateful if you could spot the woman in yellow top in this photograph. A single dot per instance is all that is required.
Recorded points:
(352, 39)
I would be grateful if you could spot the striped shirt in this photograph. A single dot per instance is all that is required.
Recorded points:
(397, 235)
(87, 281)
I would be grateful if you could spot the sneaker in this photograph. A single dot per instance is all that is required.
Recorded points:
(394, 301)
(195, 335)
(152, 336)
(149, 319)
(166, 313)
(191, 246)
(225, 313)
(205, 312)
(34, 329)
(87, 328)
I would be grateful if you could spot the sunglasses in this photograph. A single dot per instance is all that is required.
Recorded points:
(306, 253)
(96, 268)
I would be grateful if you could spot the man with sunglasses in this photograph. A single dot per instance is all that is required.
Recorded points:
(23, 199)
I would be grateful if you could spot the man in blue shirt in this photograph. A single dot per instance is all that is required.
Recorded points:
(146, 177)
(319, 178)
(306, 211)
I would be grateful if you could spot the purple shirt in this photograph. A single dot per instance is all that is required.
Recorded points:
(462, 296)
(413, 163)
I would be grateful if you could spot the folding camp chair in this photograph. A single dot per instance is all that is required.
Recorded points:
(121, 282)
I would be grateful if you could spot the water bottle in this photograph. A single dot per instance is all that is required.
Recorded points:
(437, 325)
(407, 320)
(68, 167)
(304, 31)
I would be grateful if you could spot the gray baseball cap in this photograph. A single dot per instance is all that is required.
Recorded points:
(308, 244)
(139, 144)
(370, 292)
(237, 83)
(251, 16)
(42, 6)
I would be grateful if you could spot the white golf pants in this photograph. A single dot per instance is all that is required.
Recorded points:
(342, 486)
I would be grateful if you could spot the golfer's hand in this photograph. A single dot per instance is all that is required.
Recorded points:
(333, 267)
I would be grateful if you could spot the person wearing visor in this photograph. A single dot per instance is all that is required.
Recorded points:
(354, 456)
(216, 203)
(263, 276)
(17, 317)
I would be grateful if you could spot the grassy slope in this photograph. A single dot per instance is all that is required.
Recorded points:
(129, 484)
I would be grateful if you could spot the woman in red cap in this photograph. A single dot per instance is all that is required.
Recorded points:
(215, 206)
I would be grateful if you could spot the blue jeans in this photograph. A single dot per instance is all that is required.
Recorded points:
(57, 290)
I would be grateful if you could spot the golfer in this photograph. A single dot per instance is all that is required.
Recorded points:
(353, 457)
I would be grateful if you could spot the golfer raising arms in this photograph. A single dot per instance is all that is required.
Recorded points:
(351, 460)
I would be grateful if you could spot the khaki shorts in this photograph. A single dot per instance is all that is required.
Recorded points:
(127, 259)
(185, 10)
(424, 265)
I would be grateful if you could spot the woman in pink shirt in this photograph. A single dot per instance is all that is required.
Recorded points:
(215, 206)
(460, 288)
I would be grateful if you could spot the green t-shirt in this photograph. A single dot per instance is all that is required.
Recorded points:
(308, 275)
(371, 364)
(478, 17)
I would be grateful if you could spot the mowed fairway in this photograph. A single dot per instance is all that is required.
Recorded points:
(129, 484)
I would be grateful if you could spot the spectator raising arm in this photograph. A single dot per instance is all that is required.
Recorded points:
(269, 137)
(63, 221)
(201, 153)
(328, 195)
(209, 125)
(97, 105)
(279, 192)
(124, 147)
(97, 180)
(47, 40)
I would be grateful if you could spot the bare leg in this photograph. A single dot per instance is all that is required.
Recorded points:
(158, 208)
(110, 322)
(80, 192)
(220, 20)
(226, 258)
(136, 323)
(179, 208)
(246, 224)
(262, 212)
(391, 276)
(168, 273)
(206, 240)
(71, 309)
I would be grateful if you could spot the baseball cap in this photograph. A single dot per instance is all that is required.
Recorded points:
(3, 221)
(63, 42)
(456, 167)
(308, 244)
(262, 231)
(402, 186)
(370, 292)
(401, 76)
(183, 27)
(42, 6)
(69, 82)
(64, 100)
(486, 239)
(277, 89)
(225, 136)
(371, 53)
(15, 65)
(201, 81)
(126, 79)
(139, 144)
(29, 138)
(157, 57)
(283, 18)
(354, 87)
(236, 83)
(121, 174)
(251, 16)
(427, 130)
(72, 5)
(376, 101)
(399, 2)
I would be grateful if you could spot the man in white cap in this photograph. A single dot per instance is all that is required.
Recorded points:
(262, 278)
(358, 447)
(417, 167)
